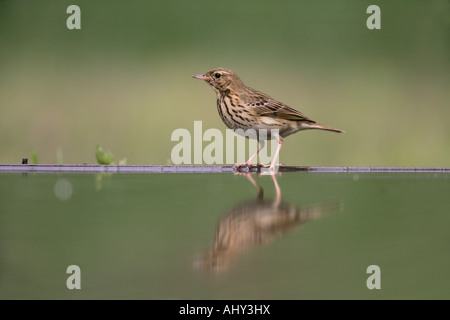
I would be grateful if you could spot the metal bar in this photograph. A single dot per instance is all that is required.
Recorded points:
(50, 168)
(69, 168)
(366, 169)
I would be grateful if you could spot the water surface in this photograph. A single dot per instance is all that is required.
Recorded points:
(225, 236)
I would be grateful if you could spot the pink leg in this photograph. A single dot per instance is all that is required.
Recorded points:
(275, 157)
(260, 190)
(261, 146)
(277, 190)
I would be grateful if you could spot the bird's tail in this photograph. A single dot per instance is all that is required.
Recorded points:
(323, 127)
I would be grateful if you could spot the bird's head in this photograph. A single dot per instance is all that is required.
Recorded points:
(221, 79)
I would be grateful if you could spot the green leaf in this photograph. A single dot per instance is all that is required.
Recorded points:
(34, 159)
(104, 157)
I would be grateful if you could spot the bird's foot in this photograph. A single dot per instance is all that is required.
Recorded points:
(247, 167)
(270, 170)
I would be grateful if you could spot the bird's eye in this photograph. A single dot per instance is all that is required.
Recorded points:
(217, 75)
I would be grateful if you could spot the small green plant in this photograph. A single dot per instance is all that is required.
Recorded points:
(107, 158)
(34, 159)
(104, 157)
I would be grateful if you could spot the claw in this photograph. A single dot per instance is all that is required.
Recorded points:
(244, 168)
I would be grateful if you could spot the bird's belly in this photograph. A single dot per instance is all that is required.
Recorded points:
(274, 127)
(266, 130)
(285, 128)
(253, 126)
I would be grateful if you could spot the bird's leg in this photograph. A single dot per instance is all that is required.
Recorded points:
(249, 161)
(275, 157)
(248, 175)
(256, 184)
(261, 146)
(277, 190)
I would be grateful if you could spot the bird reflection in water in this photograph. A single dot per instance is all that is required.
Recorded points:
(255, 223)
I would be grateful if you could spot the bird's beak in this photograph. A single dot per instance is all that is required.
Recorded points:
(201, 77)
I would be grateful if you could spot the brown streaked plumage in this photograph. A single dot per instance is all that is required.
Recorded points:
(241, 107)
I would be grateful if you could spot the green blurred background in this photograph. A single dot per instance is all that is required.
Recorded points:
(123, 80)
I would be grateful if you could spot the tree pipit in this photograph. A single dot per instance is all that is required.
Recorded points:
(241, 107)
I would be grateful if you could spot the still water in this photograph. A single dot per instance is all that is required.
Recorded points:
(223, 236)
